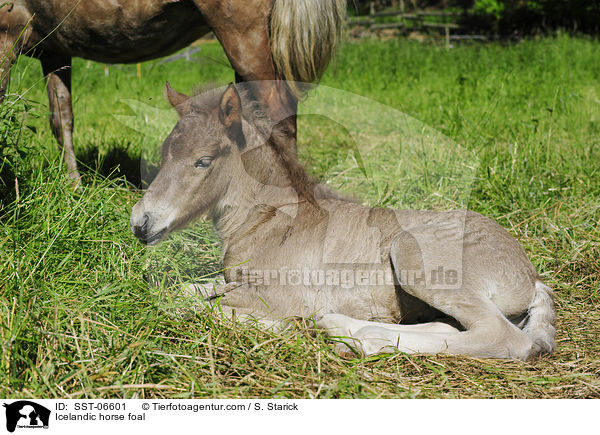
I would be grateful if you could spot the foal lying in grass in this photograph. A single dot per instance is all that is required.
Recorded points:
(411, 281)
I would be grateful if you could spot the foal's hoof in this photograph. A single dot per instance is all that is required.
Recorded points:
(344, 351)
(200, 291)
(209, 291)
(334, 324)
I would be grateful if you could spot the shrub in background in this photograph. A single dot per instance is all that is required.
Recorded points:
(506, 17)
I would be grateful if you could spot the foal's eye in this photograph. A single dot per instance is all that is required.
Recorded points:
(203, 162)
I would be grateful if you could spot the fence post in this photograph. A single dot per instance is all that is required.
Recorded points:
(371, 8)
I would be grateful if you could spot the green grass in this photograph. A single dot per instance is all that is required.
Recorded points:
(87, 311)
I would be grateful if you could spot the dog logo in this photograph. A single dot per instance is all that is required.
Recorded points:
(26, 414)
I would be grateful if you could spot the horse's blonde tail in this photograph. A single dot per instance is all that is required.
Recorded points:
(304, 36)
(540, 325)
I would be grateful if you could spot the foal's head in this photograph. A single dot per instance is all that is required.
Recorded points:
(198, 164)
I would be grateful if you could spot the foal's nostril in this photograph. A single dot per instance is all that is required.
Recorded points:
(140, 229)
(144, 229)
(144, 226)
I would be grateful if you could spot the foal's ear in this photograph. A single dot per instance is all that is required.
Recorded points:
(230, 115)
(180, 102)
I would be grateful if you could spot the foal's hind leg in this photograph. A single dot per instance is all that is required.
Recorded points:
(492, 339)
(57, 70)
(371, 338)
(344, 326)
(488, 333)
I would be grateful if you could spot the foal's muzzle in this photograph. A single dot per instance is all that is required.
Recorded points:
(143, 229)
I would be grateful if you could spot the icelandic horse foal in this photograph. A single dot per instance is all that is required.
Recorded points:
(272, 221)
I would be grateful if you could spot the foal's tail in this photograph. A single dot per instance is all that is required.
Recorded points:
(304, 36)
(540, 324)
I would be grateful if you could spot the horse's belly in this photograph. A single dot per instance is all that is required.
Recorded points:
(116, 31)
(372, 299)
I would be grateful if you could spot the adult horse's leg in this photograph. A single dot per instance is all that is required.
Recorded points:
(16, 37)
(242, 27)
(13, 36)
(7, 58)
(57, 70)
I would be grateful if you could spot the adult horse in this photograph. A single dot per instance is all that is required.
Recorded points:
(266, 41)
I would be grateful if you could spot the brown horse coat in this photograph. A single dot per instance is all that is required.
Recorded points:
(301, 33)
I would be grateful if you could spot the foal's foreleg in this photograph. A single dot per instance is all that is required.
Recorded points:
(236, 300)
(57, 71)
